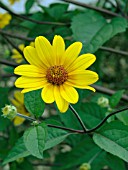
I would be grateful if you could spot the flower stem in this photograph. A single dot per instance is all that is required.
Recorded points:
(105, 119)
(78, 117)
(50, 125)
(26, 117)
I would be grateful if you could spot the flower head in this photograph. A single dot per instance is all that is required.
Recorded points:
(9, 112)
(4, 19)
(56, 70)
(13, 1)
(18, 102)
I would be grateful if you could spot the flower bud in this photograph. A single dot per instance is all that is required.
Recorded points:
(85, 166)
(9, 112)
(19, 160)
(103, 102)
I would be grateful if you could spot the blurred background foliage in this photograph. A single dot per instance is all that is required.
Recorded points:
(102, 28)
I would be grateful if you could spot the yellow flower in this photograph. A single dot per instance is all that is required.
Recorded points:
(18, 102)
(56, 70)
(17, 56)
(13, 1)
(4, 19)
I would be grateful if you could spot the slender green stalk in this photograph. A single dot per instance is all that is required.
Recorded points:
(94, 157)
(50, 125)
(78, 117)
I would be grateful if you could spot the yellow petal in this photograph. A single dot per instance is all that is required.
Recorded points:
(19, 97)
(82, 62)
(32, 57)
(80, 86)
(81, 79)
(21, 47)
(45, 51)
(65, 107)
(61, 103)
(69, 93)
(90, 88)
(17, 56)
(30, 89)
(59, 48)
(48, 93)
(18, 121)
(28, 82)
(15, 102)
(71, 54)
(29, 71)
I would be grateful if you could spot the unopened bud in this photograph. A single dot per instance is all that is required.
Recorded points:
(103, 102)
(34, 123)
(19, 160)
(9, 112)
(85, 166)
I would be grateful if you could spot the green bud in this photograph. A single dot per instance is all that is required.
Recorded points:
(19, 160)
(34, 123)
(103, 102)
(9, 112)
(85, 166)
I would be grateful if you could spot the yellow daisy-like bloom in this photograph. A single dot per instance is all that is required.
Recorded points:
(56, 70)
(4, 19)
(18, 102)
(13, 1)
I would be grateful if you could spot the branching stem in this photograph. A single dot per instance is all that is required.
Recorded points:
(85, 131)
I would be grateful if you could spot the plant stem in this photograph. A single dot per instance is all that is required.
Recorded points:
(107, 91)
(16, 36)
(92, 7)
(9, 63)
(94, 157)
(113, 50)
(84, 131)
(78, 117)
(119, 7)
(12, 44)
(29, 19)
(50, 125)
(104, 120)
(32, 39)
(26, 117)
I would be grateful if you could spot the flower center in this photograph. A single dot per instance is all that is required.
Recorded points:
(56, 75)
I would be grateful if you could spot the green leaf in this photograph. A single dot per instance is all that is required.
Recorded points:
(56, 10)
(36, 16)
(18, 151)
(114, 100)
(55, 136)
(34, 103)
(113, 139)
(114, 162)
(123, 117)
(81, 153)
(93, 30)
(34, 140)
(92, 114)
(28, 5)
